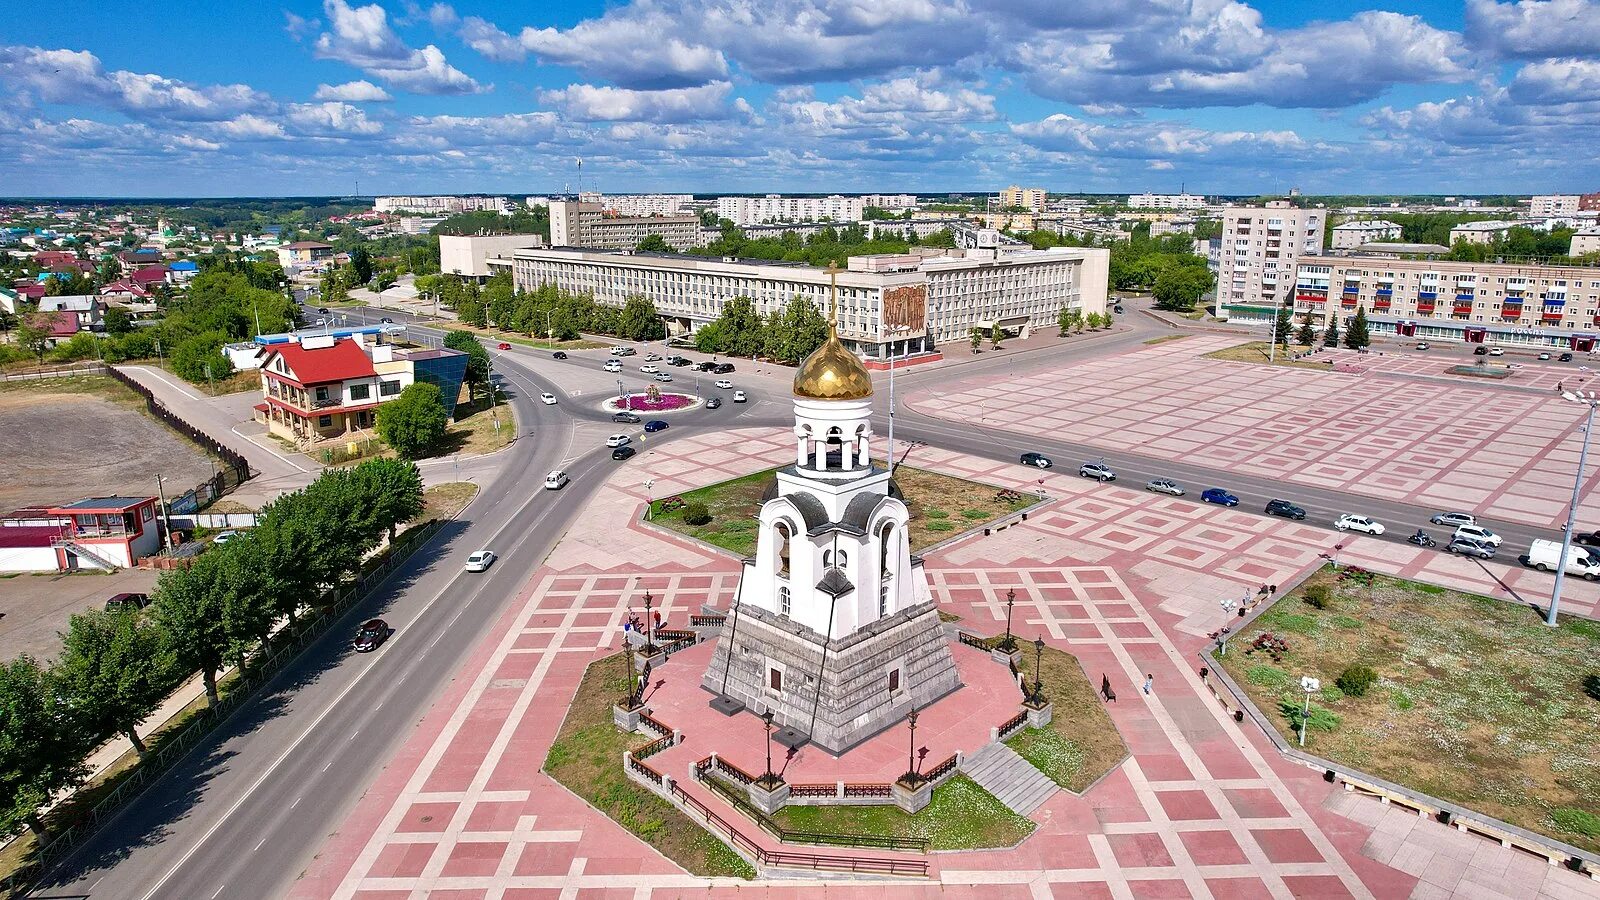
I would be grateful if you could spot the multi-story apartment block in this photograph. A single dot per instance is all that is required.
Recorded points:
(1542, 306)
(1585, 242)
(888, 305)
(1481, 232)
(776, 208)
(321, 386)
(445, 205)
(1148, 200)
(640, 204)
(1588, 202)
(1260, 247)
(578, 224)
(1544, 205)
(1351, 235)
(1031, 199)
(467, 255)
(890, 201)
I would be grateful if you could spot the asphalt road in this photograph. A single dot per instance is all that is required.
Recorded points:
(243, 815)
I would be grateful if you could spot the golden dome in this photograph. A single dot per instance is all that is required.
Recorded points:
(832, 372)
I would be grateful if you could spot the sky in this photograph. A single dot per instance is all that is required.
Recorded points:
(335, 97)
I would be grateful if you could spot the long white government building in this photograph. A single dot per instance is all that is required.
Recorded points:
(899, 304)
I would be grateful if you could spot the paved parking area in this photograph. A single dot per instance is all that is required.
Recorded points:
(34, 608)
(1505, 454)
(1130, 582)
(1530, 373)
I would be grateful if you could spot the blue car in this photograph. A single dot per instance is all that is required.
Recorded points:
(1219, 497)
(655, 425)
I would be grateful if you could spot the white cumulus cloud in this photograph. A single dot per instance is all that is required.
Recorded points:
(353, 92)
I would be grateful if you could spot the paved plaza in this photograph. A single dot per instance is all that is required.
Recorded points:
(1502, 454)
(1128, 581)
(1528, 374)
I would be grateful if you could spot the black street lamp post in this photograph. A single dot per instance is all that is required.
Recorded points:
(911, 776)
(1010, 643)
(1038, 686)
(649, 626)
(627, 661)
(768, 779)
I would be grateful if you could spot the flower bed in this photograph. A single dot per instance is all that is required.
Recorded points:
(643, 403)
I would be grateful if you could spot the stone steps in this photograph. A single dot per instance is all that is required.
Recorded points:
(1000, 771)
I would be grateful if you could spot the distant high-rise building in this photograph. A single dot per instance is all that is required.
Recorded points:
(1589, 201)
(1260, 249)
(890, 201)
(577, 224)
(644, 204)
(1031, 199)
(776, 208)
(1554, 204)
(1148, 200)
(1350, 235)
(445, 205)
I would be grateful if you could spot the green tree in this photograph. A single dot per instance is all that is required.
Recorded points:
(1356, 337)
(977, 338)
(41, 745)
(191, 607)
(639, 320)
(199, 357)
(115, 669)
(74, 284)
(995, 334)
(1306, 336)
(361, 265)
(739, 328)
(1282, 326)
(1069, 319)
(477, 357)
(654, 243)
(1330, 337)
(395, 490)
(1180, 287)
(791, 334)
(33, 333)
(117, 321)
(413, 423)
(334, 287)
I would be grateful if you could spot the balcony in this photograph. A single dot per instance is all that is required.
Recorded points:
(1382, 304)
(1511, 313)
(325, 404)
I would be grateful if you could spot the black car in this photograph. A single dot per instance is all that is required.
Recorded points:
(1038, 460)
(626, 417)
(1587, 537)
(1565, 357)
(677, 361)
(323, 310)
(714, 403)
(1285, 509)
(1480, 350)
(559, 354)
(371, 635)
(623, 452)
(723, 369)
(705, 366)
(128, 600)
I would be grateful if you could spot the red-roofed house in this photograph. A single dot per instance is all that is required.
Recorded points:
(318, 389)
(124, 290)
(95, 533)
(149, 275)
(48, 259)
(63, 325)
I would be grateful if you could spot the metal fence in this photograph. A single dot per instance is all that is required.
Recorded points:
(262, 668)
(236, 468)
(69, 371)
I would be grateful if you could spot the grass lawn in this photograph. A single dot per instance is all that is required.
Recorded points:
(586, 757)
(961, 816)
(941, 506)
(444, 501)
(1080, 744)
(102, 386)
(1476, 700)
(1165, 338)
(1256, 352)
(473, 431)
(494, 334)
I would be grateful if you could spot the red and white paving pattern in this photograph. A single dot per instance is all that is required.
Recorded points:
(1502, 454)
(1129, 582)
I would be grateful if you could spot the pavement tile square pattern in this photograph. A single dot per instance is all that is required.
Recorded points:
(1202, 808)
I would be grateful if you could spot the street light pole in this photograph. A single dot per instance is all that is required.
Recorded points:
(768, 778)
(1310, 686)
(1038, 659)
(911, 775)
(1011, 601)
(166, 511)
(1590, 400)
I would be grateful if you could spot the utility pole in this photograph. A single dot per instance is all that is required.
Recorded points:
(1590, 400)
(166, 511)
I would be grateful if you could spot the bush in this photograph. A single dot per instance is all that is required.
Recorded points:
(1576, 821)
(696, 514)
(1317, 596)
(1355, 681)
(1591, 685)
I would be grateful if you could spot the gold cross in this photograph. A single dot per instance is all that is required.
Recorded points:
(833, 292)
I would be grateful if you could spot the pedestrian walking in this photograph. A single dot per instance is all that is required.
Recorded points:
(1105, 689)
(1149, 682)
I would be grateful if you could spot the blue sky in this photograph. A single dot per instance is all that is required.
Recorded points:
(1220, 96)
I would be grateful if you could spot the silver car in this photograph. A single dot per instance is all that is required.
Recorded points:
(1469, 547)
(1165, 486)
(1454, 519)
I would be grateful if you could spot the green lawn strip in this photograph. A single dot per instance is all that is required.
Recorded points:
(734, 505)
(1257, 353)
(1081, 743)
(1477, 702)
(1166, 338)
(586, 757)
(961, 816)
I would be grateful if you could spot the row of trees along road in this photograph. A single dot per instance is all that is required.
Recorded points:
(116, 667)
(787, 335)
(547, 311)
(1356, 337)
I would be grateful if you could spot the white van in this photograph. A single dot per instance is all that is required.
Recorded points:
(1542, 555)
(556, 480)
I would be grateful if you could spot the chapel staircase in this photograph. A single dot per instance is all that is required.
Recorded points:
(1000, 771)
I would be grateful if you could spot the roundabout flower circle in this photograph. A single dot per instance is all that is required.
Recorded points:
(653, 402)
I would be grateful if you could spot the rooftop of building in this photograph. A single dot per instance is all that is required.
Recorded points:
(319, 365)
(101, 504)
(1381, 247)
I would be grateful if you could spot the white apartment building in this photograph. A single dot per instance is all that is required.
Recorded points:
(1031, 199)
(1585, 242)
(1260, 248)
(1482, 232)
(888, 304)
(1351, 235)
(442, 204)
(1148, 200)
(468, 255)
(641, 204)
(1535, 305)
(1553, 205)
(890, 201)
(577, 224)
(777, 208)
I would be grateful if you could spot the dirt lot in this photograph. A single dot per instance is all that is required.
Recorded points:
(77, 437)
(33, 608)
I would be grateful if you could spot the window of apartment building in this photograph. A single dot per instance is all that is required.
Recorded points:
(360, 391)
(322, 394)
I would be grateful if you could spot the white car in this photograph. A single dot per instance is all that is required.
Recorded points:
(480, 561)
(548, 398)
(650, 368)
(613, 365)
(1351, 522)
(556, 480)
(739, 397)
(224, 536)
(1496, 351)
(724, 383)
(617, 440)
(1480, 534)
(663, 376)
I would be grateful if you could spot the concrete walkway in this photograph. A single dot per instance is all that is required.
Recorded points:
(1000, 771)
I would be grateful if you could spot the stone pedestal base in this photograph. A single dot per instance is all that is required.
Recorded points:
(1039, 717)
(1004, 658)
(912, 800)
(626, 719)
(768, 800)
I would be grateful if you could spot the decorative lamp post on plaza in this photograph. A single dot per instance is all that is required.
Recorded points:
(649, 626)
(629, 698)
(1010, 643)
(1038, 683)
(912, 777)
(769, 779)
(1592, 401)
(1310, 686)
